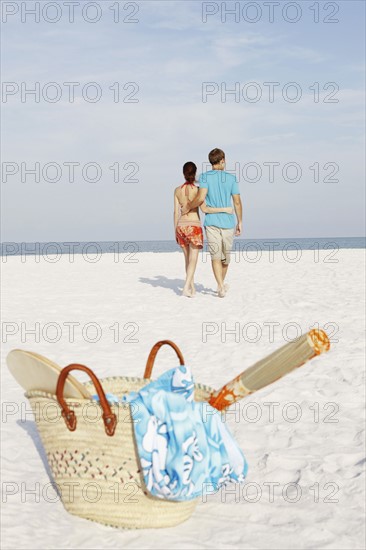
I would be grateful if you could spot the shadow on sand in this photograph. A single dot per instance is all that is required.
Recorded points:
(176, 285)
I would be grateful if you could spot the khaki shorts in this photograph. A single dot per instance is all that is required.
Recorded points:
(220, 242)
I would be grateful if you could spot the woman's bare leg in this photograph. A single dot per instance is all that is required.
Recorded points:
(192, 263)
(186, 290)
(193, 289)
(186, 256)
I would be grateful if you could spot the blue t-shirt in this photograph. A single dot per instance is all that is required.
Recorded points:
(220, 187)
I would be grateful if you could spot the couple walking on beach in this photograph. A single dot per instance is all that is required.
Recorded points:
(217, 189)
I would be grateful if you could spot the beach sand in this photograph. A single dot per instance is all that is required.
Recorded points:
(303, 436)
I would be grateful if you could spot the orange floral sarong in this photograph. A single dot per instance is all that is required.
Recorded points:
(189, 234)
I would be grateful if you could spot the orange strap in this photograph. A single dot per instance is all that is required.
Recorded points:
(186, 187)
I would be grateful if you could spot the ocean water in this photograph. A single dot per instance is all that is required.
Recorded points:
(133, 247)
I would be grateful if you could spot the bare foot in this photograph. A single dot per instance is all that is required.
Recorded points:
(221, 292)
(193, 290)
(225, 286)
(187, 292)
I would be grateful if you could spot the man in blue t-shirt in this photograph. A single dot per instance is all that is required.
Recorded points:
(217, 187)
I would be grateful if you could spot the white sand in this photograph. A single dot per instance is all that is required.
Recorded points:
(324, 459)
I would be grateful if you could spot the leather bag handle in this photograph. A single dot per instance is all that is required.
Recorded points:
(109, 418)
(154, 351)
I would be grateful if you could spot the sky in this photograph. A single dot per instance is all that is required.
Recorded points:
(164, 71)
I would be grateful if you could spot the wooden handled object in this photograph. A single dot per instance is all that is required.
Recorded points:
(271, 368)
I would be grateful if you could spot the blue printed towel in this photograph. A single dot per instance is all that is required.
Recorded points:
(183, 444)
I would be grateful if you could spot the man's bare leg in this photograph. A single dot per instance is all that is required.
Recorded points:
(225, 267)
(217, 271)
(224, 272)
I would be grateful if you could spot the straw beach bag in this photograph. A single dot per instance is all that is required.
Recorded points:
(91, 451)
(90, 445)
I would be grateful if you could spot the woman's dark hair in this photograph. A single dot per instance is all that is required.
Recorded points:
(189, 171)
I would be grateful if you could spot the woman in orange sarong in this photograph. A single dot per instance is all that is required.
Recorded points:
(188, 229)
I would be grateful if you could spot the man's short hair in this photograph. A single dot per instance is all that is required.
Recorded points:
(215, 156)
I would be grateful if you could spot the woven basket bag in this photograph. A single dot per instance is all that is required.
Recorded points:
(91, 451)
